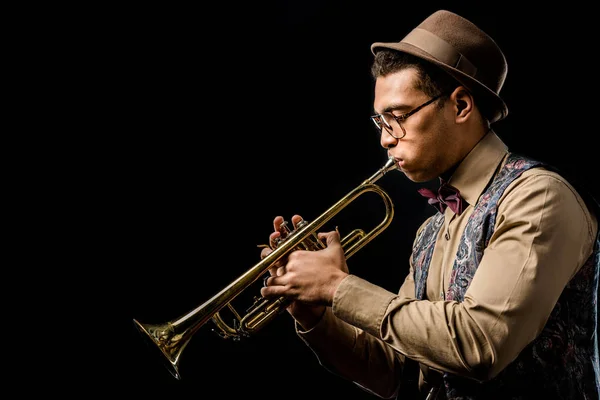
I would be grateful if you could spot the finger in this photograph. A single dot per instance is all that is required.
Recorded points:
(331, 238)
(274, 239)
(265, 252)
(277, 221)
(280, 271)
(269, 281)
(273, 269)
(296, 219)
(272, 291)
(274, 281)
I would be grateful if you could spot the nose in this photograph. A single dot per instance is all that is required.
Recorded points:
(386, 140)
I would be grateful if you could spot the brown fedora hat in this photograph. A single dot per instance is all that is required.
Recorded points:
(464, 51)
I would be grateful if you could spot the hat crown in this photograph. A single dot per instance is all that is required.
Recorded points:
(473, 43)
(464, 51)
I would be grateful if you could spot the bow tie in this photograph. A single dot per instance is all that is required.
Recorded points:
(446, 196)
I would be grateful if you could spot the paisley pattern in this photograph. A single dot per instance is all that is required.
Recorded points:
(562, 362)
(425, 242)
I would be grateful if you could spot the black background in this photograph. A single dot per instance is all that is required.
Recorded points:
(214, 119)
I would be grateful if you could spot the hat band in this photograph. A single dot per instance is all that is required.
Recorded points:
(440, 49)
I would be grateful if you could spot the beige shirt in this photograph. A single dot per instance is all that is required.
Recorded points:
(543, 234)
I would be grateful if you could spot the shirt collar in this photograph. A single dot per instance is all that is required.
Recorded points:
(479, 166)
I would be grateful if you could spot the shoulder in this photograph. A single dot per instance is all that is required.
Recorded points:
(541, 192)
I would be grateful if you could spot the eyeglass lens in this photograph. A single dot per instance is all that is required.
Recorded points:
(387, 122)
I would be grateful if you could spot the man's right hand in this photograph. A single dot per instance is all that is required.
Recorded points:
(306, 315)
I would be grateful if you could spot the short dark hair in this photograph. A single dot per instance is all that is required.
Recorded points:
(433, 81)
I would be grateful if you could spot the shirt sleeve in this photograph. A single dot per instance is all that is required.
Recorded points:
(543, 234)
(352, 352)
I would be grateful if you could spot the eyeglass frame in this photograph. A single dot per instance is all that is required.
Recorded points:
(399, 119)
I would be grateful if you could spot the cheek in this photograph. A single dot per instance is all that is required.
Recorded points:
(423, 153)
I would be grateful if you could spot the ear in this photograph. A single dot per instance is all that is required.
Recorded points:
(463, 102)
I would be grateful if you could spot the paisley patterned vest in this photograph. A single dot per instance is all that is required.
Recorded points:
(562, 362)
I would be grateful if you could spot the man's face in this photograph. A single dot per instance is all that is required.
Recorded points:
(424, 150)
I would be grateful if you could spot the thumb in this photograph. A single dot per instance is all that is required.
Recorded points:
(331, 238)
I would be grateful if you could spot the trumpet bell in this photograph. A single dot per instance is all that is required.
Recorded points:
(164, 344)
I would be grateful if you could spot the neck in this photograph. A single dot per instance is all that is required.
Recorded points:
(445, 176)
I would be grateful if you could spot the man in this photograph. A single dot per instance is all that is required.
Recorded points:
(501, 298)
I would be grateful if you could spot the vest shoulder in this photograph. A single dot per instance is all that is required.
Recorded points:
(551, 185)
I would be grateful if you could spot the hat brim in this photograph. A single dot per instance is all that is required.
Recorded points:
(488, 96)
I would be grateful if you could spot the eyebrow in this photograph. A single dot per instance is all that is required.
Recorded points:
(396, 107)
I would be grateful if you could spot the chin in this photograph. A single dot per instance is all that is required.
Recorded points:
(416, 177)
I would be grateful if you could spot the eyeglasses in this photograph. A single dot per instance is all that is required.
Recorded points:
(389, 121)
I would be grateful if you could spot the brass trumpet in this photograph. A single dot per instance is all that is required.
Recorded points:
(173, 336)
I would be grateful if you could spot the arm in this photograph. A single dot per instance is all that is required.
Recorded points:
(543, 235)
(354, 354)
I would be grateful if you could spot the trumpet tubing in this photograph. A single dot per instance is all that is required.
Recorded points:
(172, 337)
